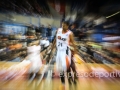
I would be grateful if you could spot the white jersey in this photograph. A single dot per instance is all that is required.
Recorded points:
(63, 57)
(62, 40)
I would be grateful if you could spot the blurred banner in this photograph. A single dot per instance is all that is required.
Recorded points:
(7, 29)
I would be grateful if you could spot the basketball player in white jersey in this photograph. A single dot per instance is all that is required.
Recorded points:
(64, 40)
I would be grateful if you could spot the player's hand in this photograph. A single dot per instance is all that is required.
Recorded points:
(71, 48)
(74, 51)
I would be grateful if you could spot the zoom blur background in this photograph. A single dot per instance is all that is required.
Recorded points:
(95, 24)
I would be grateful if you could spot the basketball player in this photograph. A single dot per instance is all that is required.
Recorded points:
(34, 57)
(65, 44)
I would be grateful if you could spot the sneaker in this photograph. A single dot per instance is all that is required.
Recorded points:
(70, 81)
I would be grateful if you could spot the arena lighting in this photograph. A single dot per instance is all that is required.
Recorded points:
(113, 14)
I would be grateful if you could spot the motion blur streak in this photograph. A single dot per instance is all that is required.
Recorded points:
(96, 28)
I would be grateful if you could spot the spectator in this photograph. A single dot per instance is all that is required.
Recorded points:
(42, 30)
(73, 29)
(49, 31)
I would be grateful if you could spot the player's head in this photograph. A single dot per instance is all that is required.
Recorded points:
(65, 25)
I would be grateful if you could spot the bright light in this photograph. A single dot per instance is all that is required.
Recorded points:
(113, 14)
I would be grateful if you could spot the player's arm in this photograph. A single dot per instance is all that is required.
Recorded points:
(54, 42)
(53, 45)
(72, 43)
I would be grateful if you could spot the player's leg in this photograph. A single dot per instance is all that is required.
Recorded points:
(69, 74)
(63, 68)
(74, 69)
(62, 76)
